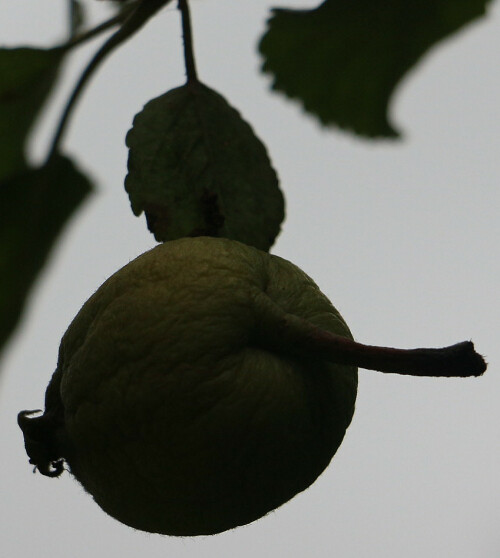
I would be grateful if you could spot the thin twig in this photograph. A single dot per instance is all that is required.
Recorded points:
(85, 36)
(142, 13)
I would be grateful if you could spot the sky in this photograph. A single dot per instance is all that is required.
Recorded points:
(401, 236)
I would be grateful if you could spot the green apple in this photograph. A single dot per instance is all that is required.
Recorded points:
(203, 385)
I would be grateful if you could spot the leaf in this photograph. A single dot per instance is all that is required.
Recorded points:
(344, 59)
(35, 205)
(196, 168)
(26, 77)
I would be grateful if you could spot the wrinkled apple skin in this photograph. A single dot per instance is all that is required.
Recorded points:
(181, 415)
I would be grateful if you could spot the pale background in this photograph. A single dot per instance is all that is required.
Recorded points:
(402, 237)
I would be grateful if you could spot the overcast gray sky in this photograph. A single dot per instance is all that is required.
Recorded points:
(403, 237)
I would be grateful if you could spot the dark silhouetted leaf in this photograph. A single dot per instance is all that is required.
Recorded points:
(344, 59)
(26, 78)
(34, 206)
(196, 168)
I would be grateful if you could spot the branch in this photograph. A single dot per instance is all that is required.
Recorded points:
(85, 36)
(141, 14)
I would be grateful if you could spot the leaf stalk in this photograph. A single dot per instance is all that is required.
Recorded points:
(187, 35)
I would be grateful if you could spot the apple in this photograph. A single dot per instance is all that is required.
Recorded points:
(205, 384)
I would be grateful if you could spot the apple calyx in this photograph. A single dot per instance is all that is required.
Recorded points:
(39, 444)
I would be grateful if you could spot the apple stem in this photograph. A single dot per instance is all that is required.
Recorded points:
(292, 334)
(459, 360)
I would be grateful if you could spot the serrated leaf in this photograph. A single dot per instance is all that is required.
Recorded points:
(196, 168)
(26, 77)
(344, 59)
(34, 205)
